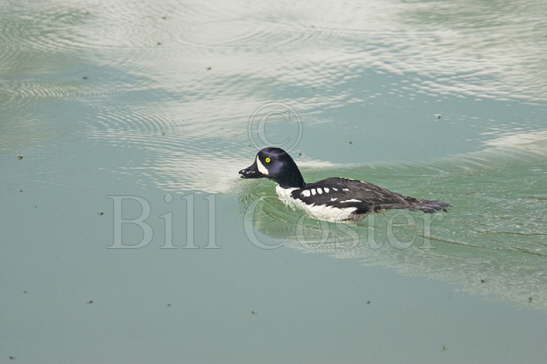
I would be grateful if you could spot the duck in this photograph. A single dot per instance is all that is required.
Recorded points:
(334, 199)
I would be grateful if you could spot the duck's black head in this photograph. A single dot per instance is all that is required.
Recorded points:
(276, 164)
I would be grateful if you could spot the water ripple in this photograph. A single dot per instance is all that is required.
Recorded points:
(492, 199)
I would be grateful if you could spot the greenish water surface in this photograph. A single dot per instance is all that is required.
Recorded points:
(111, 111)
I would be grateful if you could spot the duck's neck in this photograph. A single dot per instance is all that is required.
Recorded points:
(293, 179)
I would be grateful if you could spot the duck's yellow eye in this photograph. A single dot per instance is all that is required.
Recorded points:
(267, 160)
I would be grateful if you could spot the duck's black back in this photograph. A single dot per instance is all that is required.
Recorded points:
(342, 193)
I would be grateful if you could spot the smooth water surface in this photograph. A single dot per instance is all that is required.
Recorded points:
(154, 107)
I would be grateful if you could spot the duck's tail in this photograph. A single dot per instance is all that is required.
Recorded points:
(429, 206)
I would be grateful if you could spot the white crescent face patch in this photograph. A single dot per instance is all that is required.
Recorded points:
(261, 167)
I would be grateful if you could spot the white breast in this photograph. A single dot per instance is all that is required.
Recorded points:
(285, 194)
(321, 212)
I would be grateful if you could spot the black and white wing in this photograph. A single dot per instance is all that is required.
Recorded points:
(343, 193)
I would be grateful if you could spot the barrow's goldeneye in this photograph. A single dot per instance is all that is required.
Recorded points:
(331, 199)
